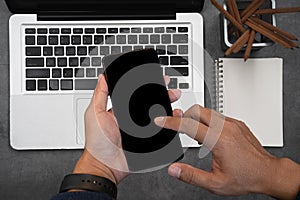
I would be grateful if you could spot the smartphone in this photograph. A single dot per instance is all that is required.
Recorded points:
(138, 94)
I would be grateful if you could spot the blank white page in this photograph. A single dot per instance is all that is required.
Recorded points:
(253, 94)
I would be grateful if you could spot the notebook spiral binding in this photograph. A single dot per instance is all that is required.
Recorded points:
(219, 86)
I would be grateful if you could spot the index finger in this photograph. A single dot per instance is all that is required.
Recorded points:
(100, 95)
(192, 128)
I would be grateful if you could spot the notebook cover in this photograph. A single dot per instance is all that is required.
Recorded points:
(252, 92)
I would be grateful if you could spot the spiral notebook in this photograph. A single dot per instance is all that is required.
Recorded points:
(252, 92)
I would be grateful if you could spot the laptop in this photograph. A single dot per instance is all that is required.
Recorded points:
(56, 49)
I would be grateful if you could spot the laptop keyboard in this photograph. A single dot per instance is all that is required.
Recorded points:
(69, 58)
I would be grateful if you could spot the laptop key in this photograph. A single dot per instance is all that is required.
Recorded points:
(30, 85)
(56, 73)
(53, 40)
(65, 31)
(126, 48)
(66, 84)
(180, 38)
(81, 51)
(183, 49)
(61, 62)
(143, 39)
(42, 40)
(98, 39)
(37, 73)
(166, 38)
(161, 49)
(64, 40)
(136, 30)
(104, 50)
(101, 30)
(183, 29)
(112, 30)
(179, 60)
(53, 84)
(30, 40)
(70, 51)
(173, 83)
(54, 31)
(164, 60)
(93, 51)
(73, 62)
(90, 72)
(109, 39)
(30, 31)
(177, 71)
(171, 30)
(50, 62)
(155, 39)
(85, 84)
(172, 49)
(96, 61)
(99, 71)
(67, 73)
(79, 72)
(115, 49)
(183, 85)
(47, 51)
(138, 47)
(132, 39)
(124, 30)
(33, 51)
(89, 31)
(85, 61)
(42, 31)
(77, 30)
(87, 39)
(34, 62)
(147, 30)
(121, 39)
(42, 85)
(59, 51)
(76, 39)
(159, 30)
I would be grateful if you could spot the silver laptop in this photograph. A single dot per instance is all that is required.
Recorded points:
(55, 58)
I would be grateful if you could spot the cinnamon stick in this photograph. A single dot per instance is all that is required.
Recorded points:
(249, 45)
(266, 32)
(228, 16)
(273, 28)
(237, 43)
(278, 10)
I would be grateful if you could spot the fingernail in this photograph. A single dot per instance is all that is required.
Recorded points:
(177, 93)
(174, 171)
(159, 121)
(99, 78)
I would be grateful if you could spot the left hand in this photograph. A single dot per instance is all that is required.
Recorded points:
(103, 154)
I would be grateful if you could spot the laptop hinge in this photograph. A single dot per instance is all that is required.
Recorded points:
(87, 16)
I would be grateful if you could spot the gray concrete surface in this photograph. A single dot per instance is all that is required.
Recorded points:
(37, 174)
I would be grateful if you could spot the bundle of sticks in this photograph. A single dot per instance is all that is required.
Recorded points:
(247, 23)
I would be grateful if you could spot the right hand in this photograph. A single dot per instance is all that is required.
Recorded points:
(240, 164)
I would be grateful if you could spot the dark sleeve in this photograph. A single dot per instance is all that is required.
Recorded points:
(82, 196)
(298, 196)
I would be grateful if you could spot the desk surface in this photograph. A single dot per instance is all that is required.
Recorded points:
(37, 174)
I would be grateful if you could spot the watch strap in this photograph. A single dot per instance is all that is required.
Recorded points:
(88, 182)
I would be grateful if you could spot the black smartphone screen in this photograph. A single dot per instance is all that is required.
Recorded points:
(138, 95)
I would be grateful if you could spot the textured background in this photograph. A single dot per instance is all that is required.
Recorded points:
(37, 174)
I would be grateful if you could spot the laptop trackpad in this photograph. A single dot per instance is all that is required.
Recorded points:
(81, 106)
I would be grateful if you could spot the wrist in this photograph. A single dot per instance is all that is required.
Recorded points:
(87, 164)
(282, 180)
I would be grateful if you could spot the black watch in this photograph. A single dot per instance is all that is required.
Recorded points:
(88, 182)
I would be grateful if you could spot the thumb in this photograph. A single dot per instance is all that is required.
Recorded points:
(191, 175)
